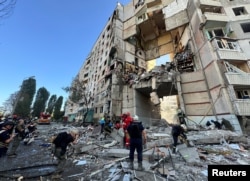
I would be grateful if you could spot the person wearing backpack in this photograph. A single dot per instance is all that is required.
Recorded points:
(138, 137)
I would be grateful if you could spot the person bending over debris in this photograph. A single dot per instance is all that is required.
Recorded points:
(61, 141)
(137, 135)
(178, 132)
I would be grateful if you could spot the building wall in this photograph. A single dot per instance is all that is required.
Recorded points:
(135, 34)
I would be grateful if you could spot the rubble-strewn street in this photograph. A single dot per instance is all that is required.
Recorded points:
(99, 158)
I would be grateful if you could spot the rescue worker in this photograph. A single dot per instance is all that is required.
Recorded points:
(61, 143)
(20, 135)
(126, 120)
(6, 137)
(178, 132)
(138, 137)
(102, 123)
(181, 117)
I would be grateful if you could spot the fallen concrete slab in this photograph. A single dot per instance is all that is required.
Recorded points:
(216, 136)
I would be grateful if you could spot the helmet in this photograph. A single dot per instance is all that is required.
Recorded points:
(136, 118)
(184, 127)
(74, 131)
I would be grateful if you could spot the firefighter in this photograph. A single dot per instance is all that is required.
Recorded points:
(178, 133)
(138, 137)
(126, 120)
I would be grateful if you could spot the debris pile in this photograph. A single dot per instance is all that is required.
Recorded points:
(99, 157)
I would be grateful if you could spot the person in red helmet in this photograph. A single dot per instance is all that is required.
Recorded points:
(126, 120)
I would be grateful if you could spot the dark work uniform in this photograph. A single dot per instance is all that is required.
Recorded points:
(177, 130)
(4, 135)
(136, 143)
(61, 142)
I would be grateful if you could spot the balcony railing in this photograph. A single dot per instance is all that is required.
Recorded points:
(242, 106)
(238, 78)
(228, 49)
(211, 19)
(208, 16)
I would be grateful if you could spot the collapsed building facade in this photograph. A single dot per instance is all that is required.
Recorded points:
(208, 42)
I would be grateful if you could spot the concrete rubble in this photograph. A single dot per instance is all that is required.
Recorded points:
(98, 158)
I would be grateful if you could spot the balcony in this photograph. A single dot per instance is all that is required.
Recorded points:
(228, 49)
(238, 78)
(241, 107)
(214, 3)
(211, 19)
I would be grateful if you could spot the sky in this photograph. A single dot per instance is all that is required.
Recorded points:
(49, 39)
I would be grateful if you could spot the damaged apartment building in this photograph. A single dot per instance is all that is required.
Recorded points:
(208, 43)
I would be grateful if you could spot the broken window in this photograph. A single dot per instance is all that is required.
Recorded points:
(239, 11)
(243, 94)
(224, 44)
(230, 67)
(245, 27)
(141, 18)
(215, 33)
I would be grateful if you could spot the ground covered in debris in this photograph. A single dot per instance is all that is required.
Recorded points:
(98, 158)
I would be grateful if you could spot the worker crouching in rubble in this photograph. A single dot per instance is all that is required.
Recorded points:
(138, 136)
(61, 142)
(178, 132)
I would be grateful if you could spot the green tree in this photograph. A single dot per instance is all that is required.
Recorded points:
(80, 94)
(57, 114)
(42, 96)
(24, 98)
(51, 104)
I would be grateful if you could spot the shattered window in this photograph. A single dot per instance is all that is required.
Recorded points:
(245, 27)
(239, 11)
(215, 32)
(224, 44)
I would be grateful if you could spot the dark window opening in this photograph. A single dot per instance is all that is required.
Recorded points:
(239, 11)
(218, 32)
(245, 27)
(136, 61)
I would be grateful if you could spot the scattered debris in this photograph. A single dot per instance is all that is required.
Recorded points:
(98, 158)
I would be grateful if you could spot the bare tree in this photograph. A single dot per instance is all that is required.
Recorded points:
(80, 94)
(10, 103)
(6, 8)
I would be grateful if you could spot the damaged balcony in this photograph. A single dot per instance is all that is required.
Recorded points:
(241, 86)
(213, 16)
(228, 49)
(151, 24)
(242, 106)
(208, 3)
(163, 85)
(175, 14)
(236, 76)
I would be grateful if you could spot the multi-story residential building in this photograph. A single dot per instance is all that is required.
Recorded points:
(209, 43)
